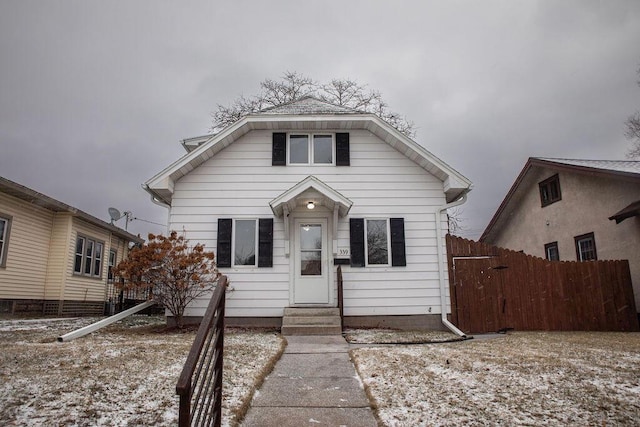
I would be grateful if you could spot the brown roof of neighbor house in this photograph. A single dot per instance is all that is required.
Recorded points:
(35, 198)
(630, 211)
(621, 169)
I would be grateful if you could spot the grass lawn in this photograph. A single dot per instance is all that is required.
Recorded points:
(122, 375)
(552, 378)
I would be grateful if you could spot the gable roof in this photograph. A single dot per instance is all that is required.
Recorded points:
(33, 197)
(322, 194)
(620, 169)
(306, 114)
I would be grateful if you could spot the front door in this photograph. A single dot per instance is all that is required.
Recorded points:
(311, 270)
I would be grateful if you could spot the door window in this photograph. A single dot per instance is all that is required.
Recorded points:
(311, 249)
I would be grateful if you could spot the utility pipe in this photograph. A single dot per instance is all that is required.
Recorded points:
(104, 322)
(441, 260)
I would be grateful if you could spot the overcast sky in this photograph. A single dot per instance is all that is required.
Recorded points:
(96, 95)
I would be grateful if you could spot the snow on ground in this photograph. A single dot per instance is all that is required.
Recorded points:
(552, 378)
(391, 336)
(122, 375)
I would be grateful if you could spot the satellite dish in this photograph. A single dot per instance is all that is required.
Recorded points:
(114, 214)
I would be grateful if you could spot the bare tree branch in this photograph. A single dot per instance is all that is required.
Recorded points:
(633, 132)
(293, 86)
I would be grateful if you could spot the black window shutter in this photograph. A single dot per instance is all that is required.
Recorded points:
(279, 149)
(356, 237)
(342, 149)
(265, 242)
(224, 242)
(398, 254)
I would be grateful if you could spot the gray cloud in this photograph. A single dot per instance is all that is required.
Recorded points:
(95, 96)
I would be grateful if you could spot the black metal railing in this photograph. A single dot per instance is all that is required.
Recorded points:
(200, 384)
(340, 297)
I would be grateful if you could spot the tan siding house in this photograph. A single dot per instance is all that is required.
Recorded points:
(40, 271)
(573, 210)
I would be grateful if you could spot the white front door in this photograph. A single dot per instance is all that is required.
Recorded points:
(311, 262)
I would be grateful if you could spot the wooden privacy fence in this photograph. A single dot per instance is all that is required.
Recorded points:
(494, 288)
(200, 384)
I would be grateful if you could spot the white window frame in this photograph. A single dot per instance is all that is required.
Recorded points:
(96, 255)
(4, 239)
(310, 144)
(366, 242)
(234, 228)
(111, 264)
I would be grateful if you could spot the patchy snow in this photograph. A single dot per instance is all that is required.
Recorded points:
(391, 336)
(124, 374)
(520, 379)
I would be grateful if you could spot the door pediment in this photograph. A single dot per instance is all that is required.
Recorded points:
(310, 189)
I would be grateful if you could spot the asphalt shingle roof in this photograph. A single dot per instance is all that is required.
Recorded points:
(628, 166)
(307, 105)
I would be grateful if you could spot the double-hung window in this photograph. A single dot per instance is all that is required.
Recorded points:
(111, 265)
(586, 247)
(311, 149)
(88, 257)
(551, 251)
(5, 226)
(245, 242)
(378, 242)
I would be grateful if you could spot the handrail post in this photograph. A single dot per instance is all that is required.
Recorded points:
(340, 297)
(202, 354)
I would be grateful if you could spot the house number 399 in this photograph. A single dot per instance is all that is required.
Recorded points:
(343, 251)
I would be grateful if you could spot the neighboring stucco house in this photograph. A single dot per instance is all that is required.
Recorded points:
(573, 210)
(286, 195)
(54, 258)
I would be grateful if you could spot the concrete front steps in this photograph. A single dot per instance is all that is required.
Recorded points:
(311, 321)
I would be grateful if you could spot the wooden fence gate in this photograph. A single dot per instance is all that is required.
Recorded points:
(494, 288)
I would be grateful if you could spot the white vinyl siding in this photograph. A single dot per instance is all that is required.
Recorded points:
(239, 182)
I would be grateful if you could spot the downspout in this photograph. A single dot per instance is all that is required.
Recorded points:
(441, 261)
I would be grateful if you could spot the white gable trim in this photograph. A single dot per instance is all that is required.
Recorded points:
(161, 185)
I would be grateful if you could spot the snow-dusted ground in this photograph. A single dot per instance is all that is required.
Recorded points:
(572, 378)
(122, 375)
(391, 336)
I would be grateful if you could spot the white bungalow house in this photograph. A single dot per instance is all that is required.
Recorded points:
(286, 195)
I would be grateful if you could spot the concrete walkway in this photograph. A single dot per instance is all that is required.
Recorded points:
(313, 384)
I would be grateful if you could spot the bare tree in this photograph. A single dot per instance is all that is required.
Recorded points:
(455, 219)
(633, 132)
(293, 86)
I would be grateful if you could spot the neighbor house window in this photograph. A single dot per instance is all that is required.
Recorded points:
(245, 242)
(88, 257)
(111, 265)
(377, 232)
(550, 191)
(586, 247)
(309, 149)
(5, 226)
(551, 251)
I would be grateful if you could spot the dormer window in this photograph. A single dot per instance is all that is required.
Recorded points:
(310, 149)
(550, 191)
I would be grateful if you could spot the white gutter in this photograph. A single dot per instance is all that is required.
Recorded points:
(442, 260)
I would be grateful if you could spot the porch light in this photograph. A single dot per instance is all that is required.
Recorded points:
(311, 205)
